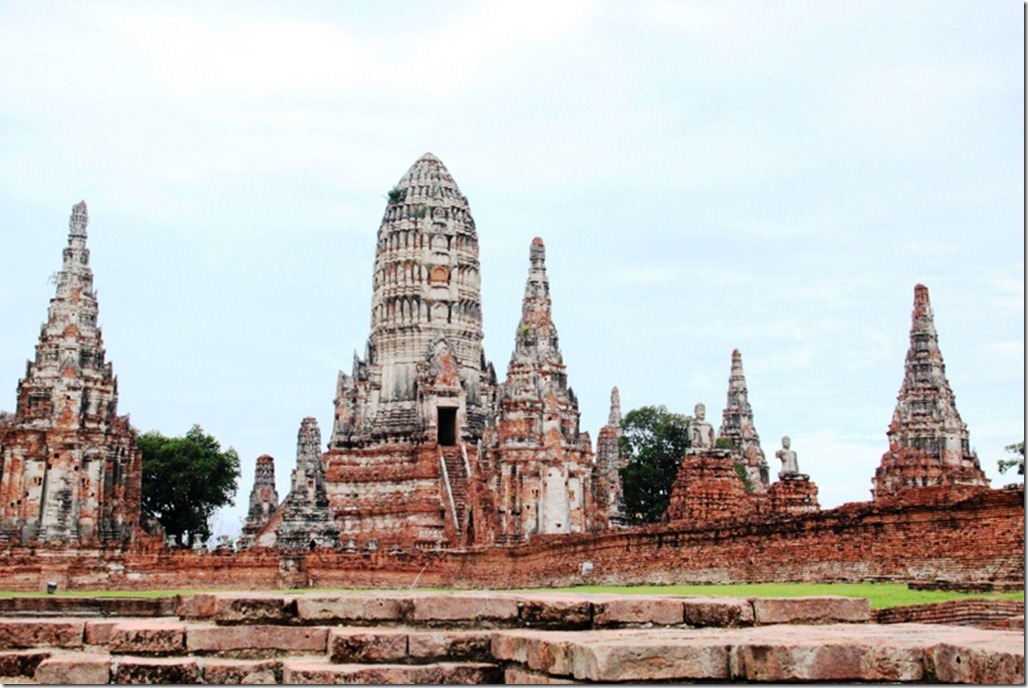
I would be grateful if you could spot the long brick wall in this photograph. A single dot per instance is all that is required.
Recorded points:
(973, 538)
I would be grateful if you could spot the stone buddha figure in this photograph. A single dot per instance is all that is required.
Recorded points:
(701, 433)
(790, 467)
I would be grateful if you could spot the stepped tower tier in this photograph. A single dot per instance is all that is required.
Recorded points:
(928, 441)
(738, 428)
(426, 317)
(69, 467)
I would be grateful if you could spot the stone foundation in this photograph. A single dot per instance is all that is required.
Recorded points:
(479, 638)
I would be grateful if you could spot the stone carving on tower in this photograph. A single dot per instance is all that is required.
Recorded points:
(609, 487)
(928, 442)
(737, 427)
(540, 463)
(70, 471)
(411, 412)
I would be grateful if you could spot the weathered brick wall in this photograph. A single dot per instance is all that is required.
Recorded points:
(973, 537)
(972, 612)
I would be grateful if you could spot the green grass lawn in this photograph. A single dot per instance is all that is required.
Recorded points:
(881, 595)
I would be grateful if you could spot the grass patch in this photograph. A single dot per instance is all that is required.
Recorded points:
(881, 595)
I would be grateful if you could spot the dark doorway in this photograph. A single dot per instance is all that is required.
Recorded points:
(447, 426)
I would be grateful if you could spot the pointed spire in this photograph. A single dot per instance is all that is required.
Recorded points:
(615, 408)
(928, 441)
(737, 425)
(537, 335)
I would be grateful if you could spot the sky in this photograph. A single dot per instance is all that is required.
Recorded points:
(772, 177)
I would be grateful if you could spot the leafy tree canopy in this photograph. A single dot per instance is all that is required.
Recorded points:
(185, 479)
(653, 442)
(1006, 464)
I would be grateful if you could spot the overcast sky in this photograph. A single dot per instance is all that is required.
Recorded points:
(774, 177)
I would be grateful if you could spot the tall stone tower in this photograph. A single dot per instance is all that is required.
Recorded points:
(69, 468)
(738, 428)
(541, 463)
(928, 442)
(409, 416)
(424, 376)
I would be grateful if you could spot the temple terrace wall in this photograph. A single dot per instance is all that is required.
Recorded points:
(975, 537)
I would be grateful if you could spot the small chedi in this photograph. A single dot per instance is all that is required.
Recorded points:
(606, 477)
(69, 468)
(738, 429)
(263, 500)
(928, 442)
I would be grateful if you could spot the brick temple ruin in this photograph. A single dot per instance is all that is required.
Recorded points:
(70, 472)
(438, 471)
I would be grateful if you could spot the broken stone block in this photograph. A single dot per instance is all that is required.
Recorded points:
(555, 612)
(361, 645)
(810, 610)
(720, 612)
(78, 667)
(523, 677)
(464, 646)
(21, 662)
(968, 663)
(30, 633)
(147, 637)
(819, 659)
(480, 610)
(649, 657)
(355, 608)
(256, 640)
(253, 608)
(638, 610)
(231, 671)
(321, 672)
(157, 670)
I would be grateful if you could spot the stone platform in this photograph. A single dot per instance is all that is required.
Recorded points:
(467, 638)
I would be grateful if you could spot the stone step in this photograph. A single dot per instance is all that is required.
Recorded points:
(453, 673)
(776, 653)
(88, 606)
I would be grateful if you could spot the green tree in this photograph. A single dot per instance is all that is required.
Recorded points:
(185, 479)
(1006, 464)
(652, 445)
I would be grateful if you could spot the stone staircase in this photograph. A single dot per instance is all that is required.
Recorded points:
(458, 481)
(472, 638)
